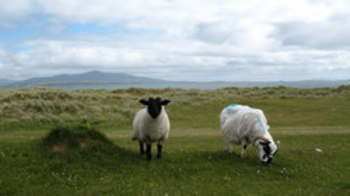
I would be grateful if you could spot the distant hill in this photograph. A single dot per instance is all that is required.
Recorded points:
(5, 81)
(88, 78)
(91, 77)
(96, 79)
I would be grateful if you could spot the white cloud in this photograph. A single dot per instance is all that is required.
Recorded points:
(15, 10)
(198, 39)
(329, 34)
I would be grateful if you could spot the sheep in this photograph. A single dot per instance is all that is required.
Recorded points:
(243, 125)
(151, 124)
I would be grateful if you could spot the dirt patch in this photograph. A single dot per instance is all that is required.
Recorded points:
(84, 143)
(59, 148)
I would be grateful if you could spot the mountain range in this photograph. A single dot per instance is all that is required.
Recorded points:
(96, 79)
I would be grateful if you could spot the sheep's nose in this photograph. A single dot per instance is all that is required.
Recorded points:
(269, 160)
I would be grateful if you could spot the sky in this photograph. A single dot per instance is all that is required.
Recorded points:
(196, 40)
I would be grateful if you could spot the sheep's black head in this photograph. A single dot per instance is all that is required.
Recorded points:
(154, 106)
(266, 151)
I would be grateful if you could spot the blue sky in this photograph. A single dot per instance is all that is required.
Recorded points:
(202, 40)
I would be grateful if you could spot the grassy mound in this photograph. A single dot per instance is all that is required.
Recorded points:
(81, 144)
(73, 138)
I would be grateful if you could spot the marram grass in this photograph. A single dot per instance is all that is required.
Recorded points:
(32, 109)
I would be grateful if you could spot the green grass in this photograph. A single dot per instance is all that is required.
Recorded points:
(194, 160)
(192, 165)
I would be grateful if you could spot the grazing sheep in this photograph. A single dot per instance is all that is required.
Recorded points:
(243, 125)
(151, 124)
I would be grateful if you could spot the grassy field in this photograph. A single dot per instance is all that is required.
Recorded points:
(194, 161)
(32, 109)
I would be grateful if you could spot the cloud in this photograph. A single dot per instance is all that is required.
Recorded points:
(14, 11)
(325, 35)
(55, 57)
(177, 39)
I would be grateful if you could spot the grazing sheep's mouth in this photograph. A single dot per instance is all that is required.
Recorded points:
(269, 160)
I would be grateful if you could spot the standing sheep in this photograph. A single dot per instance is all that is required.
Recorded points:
(151, 124)
(243, 125)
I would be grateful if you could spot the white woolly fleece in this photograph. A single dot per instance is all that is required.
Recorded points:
(147, 129)
(239, 122)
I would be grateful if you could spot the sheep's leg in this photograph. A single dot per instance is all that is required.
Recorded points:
(149, 151)
(244, 149)
(142, 149)
(159, 148)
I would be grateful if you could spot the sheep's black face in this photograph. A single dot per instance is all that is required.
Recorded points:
(154, 106)
(266, 151)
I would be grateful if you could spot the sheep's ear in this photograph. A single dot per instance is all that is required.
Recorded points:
(165, 102)
(143, 101)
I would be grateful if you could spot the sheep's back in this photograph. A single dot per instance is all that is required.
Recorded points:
(241, 122)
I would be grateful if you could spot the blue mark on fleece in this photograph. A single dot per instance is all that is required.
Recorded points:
(261, 123)
(232, 105)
